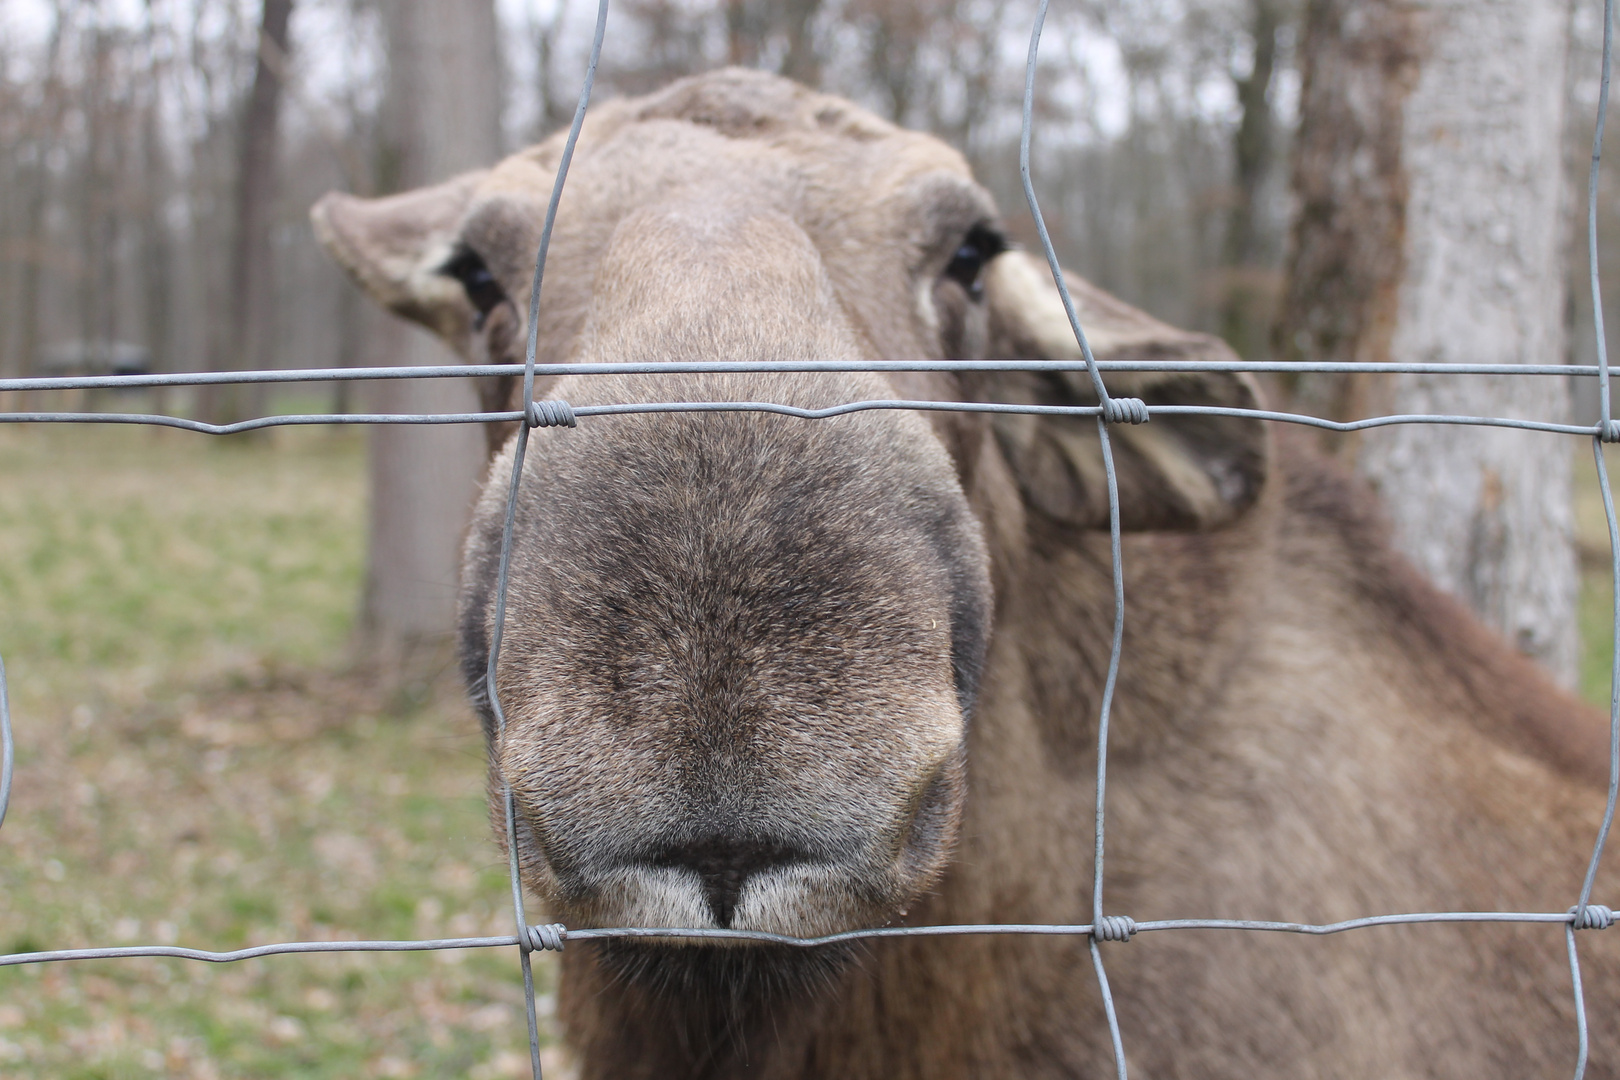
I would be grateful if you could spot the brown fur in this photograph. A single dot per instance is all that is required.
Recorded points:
(808, 676)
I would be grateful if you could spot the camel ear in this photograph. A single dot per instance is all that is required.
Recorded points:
(1174, 472)
(396, 248)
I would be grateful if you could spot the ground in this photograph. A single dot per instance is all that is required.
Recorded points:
(203, 760)
(1592, 540)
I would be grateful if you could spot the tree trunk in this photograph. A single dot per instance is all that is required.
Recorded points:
(442, 116)
(97, 204)
(252, 278)
(1429, 177)
(46, 131)
(803, 61)
(554, 109)
(1245, 303)
(157, 278)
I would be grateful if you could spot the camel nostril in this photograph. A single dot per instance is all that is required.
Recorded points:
(724, 867)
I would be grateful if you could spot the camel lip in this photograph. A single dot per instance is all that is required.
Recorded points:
(732, 975)
(795, 897)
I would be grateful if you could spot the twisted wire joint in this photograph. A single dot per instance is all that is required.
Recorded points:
(548, 936)
(549, 414)
(1592, 916)
(1130, 410)
(1113, 927)
(1609, 430)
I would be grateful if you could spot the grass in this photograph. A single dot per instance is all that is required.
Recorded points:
(1595, 611)
(200, 763)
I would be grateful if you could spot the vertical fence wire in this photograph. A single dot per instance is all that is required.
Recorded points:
(1106, 415)
(1607, 431)
(491, 682)
(1605, 415)
(1606, 434)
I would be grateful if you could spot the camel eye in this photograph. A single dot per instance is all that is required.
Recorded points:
(981, 244)
(483, 291)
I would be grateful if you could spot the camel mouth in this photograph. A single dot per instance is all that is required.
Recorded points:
(709, 886)
(725, 869)
(735, 980)
(772, 877)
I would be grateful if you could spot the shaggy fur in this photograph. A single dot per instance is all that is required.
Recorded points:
(810, 676)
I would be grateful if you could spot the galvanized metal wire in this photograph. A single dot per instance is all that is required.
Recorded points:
(690, 367)
(1104, 415)
(562, 935)
(627, 409)
(522, 937)
(1108, 410)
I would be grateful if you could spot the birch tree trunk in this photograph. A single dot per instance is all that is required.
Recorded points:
(1430, 180)
(442, 117)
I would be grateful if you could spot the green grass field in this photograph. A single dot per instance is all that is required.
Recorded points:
(201, 763)
(1596, 611)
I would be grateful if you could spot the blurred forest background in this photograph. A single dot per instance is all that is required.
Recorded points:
(136, 164)
(133, 144)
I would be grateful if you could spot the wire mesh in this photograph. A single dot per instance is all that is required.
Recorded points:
(1115, 928)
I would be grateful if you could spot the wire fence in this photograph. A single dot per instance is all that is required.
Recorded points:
(1109, 410)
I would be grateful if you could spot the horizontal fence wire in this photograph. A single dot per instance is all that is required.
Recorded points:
(633, 408)
(533, 935)
(1109, 410)
(756, 367)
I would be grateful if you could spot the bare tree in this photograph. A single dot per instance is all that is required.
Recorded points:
(676, 38)
(252, 278)
(551, 99)
(98, 188)
(1431, 229)
(128, 163)
(1247, 301)
(441, 116)
(41, 129)
(896, 36)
